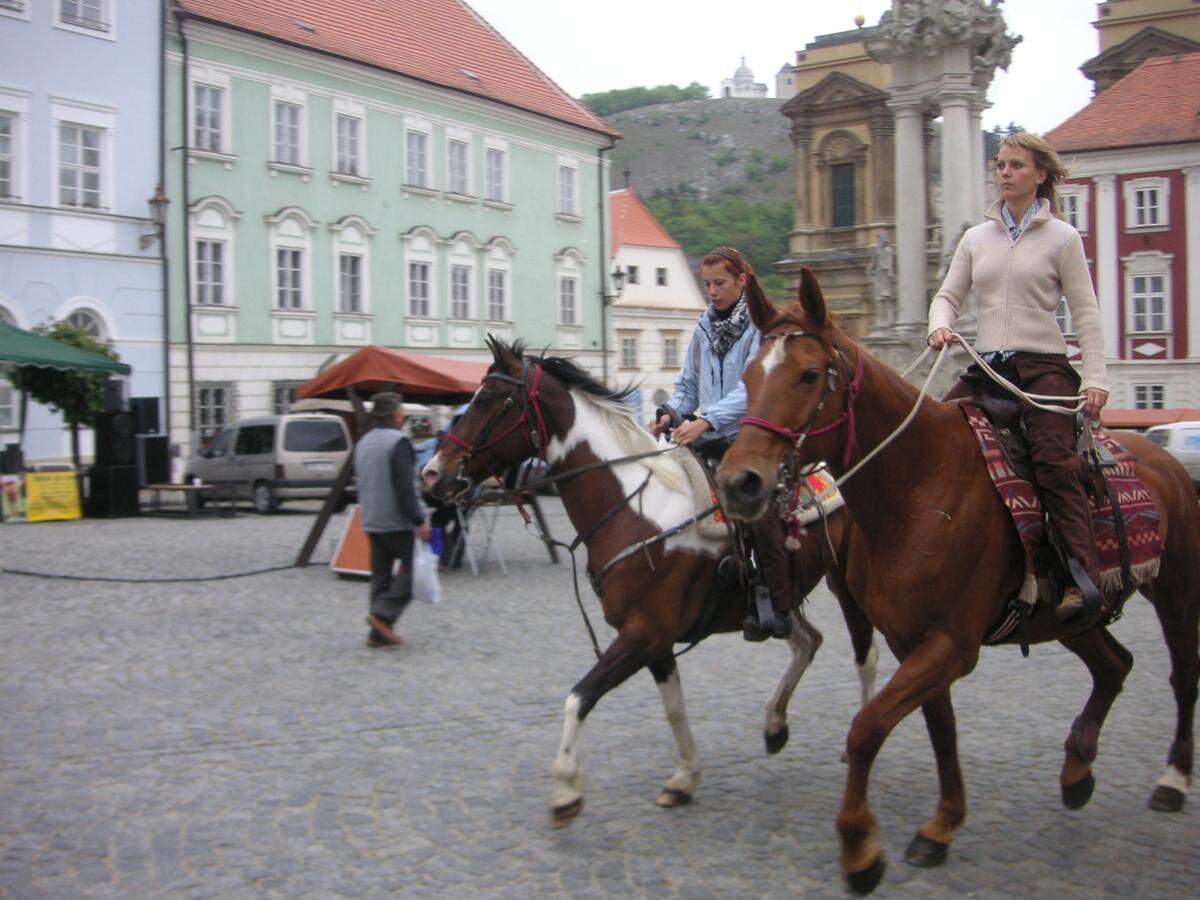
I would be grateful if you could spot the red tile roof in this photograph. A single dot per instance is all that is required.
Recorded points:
(440, 41)
(632, 223)
(1156, 103)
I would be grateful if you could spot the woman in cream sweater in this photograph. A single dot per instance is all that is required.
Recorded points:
(1021, 262)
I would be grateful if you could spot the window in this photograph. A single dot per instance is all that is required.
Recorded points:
(79, 166)
(1070, 209)
(1145, 207)
(458, 167)
(494, 187)
(418, 289)
(350, 283)
(567, 300)
(460, 292)
(670, 352)
(1074, 200)
(254, 440)
(629, 351)
(416, 172)
(8, 134)
(85, 13)
(1148, 396)
(289, 278)
(842, 195)
(349, 160)
(497, 299)
(283, 395)
(631, 277)
(1062, 315)
(214, 408)
(210, 273)
(287, 133)
(88, 322)
(8, 406)
(660, 277)
(16, 6)
(566, 190)
(1148, 299)
(206, 117)
(1147, 202)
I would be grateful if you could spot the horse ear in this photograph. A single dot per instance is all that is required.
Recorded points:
(761, 310)
(810, 296)
(494, 345)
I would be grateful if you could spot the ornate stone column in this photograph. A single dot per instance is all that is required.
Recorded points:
(978, 163)
(959, 181)
(911, 212)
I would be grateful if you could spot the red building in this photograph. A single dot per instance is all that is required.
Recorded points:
(1134, 195)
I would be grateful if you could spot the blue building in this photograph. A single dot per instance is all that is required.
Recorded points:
(80, 161)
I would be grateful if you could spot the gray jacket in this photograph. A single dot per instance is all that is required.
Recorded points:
(387, 490)
(711, 386)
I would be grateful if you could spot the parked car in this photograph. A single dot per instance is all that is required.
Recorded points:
(270, 459)
(1182, 441)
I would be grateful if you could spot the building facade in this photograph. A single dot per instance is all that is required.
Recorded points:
(1134, 195)
(742, 84)
(408, 180)
(1132, 31)
(79, 162)
(658, 306)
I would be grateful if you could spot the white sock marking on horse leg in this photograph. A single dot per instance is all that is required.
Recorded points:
(1173, 778)
(567, 774)
(866, 672)
(687, 774)
(804, 641)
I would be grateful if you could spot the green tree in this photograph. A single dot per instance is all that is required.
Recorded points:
(605, 103)
(76, 394)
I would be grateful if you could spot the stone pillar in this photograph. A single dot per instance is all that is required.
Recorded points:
(882, 130)
(1191, 219)
(959, 183)
(978, 163)
(912, 302)
(1107, 276)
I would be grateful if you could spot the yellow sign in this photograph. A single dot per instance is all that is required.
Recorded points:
(50, 496)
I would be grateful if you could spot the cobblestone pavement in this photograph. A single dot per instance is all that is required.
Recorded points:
(236, 738)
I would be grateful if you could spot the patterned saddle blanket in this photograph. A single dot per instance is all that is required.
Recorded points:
(1136, 506)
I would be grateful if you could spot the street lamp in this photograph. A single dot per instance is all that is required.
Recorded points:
(158, 216)
(618, 280)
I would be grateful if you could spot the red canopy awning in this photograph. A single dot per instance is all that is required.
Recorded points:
(1146, 418)
(420, 378)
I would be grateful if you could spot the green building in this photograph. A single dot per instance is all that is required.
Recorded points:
(346, 174)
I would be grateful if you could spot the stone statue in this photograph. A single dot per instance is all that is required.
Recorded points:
(881, 269)
(930, 25)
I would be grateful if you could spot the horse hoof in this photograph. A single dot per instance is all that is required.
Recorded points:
(1076, 796)
(925, 852)
(1166, 799)
(776, 741)
(865, 881)
(672, 797)
(562, 816)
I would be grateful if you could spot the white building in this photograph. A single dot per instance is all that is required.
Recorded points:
(654, 315)
(742, 84)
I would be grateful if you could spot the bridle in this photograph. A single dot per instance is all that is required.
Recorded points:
(797, 437)
(531, 423)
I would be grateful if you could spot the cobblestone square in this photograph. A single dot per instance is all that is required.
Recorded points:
(236, 738)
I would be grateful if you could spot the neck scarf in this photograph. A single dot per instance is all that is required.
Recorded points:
(1010, 222)
(722, 332)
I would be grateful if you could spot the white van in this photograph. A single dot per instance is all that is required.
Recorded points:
(1182, 441)
(270, 459)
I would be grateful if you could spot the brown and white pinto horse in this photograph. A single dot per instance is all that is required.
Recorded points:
(944, 559)
(654, 597)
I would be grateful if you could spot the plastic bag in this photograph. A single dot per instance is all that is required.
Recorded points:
(426, 584)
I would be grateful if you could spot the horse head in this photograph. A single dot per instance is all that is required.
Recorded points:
(798, 394)
(503, 425)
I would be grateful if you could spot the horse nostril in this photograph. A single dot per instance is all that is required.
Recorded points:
(747, 485)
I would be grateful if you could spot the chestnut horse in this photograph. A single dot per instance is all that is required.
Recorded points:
(930, 518)
(654, 596)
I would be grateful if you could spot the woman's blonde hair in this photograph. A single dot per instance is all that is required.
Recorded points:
(1046, 159)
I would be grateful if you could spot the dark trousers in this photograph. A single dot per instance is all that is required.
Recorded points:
(776, 561)
(390, 594)
(1056, 465)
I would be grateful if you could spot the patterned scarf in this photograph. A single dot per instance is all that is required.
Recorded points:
(723, 332)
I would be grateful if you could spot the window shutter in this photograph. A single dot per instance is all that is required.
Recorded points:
(843, 195)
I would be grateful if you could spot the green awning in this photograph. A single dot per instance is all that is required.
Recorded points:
(24, 348)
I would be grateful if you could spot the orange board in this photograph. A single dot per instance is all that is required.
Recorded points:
(353, 553)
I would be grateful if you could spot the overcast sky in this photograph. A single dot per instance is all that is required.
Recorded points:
(589, 47)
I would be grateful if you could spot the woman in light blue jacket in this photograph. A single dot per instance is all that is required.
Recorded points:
(710, 395)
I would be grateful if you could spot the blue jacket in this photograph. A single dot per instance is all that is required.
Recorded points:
(710, 387)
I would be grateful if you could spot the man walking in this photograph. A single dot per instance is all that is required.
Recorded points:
(390, 511)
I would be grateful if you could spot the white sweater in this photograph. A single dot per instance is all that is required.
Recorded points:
(1020, 284)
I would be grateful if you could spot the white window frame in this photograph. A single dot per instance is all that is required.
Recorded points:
(571, 282)
(1062, 315)
(463, 252)
(1131, 189)
(350, 274)
(204, 263)
(498, 259)
(1143, 396)
(214, 79)
(569, 265)
(228, 407)
(64, 111)
(352, 237)
(1147, 264)
(632, 275)
(15, 104)
(661, 278)
(629, 349)
(1155, 305)
(566, 172)
(495, 145)
(212, 219)
(412, 129)
(670, 350)
(1080, 196)
(288, 388)
(344, 107)
(465, 138)
(11, 314)
(21, 12)
(290, 95)
(108, 31)
(422, 249)
(291, 229)
(93, 308)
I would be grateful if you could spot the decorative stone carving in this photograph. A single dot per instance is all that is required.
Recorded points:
(882, 272)
(929, 25)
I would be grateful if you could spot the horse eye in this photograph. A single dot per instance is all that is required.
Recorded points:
(810, 376)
